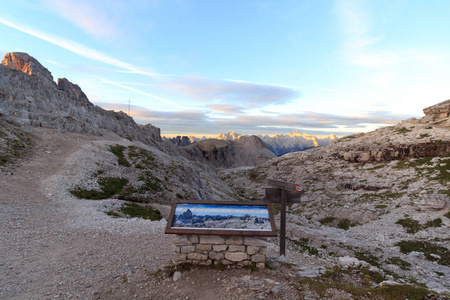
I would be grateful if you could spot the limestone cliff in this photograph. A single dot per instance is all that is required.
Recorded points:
(245, 151)
(37, 100)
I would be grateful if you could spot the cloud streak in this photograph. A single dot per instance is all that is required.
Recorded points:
(196, 88)
(85, 16)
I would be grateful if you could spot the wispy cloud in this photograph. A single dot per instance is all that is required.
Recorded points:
(139, 92)
(248, 93)
(76, 48)
(86, 16)
(226, 109)
(194, 87)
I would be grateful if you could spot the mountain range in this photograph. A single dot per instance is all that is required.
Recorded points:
(279, 144)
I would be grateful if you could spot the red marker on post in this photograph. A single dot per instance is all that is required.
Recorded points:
(297, 188)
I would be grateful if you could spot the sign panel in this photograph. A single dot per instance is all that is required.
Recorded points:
(221, 218)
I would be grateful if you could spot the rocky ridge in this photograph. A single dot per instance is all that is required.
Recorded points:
(246, 151)
(37, 101)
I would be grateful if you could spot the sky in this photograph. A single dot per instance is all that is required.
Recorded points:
(201, 67)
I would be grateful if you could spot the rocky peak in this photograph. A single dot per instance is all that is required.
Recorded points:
(73, 91)
(181, 141)
(27, 64)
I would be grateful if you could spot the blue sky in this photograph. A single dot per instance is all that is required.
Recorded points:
(204, 67)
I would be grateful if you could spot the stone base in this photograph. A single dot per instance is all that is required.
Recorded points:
(225, 250)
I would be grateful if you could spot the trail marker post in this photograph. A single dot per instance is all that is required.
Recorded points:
(284, 193)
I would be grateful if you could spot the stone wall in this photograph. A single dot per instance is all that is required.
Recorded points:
(225, 250)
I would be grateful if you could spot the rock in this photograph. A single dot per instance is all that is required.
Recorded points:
(187, 249)
(216, 255)
(201, 247)
(73, 91)
(236, 248)
(211, 239)
(433, 202)
(252, 250)
(438, 111)
(236, 256)
(235, 240)
(389, 283)
(258, 258)
(219, 248)
(176, 276)
(256, 242)
(27, 64)
(197, 256)
(348, 262)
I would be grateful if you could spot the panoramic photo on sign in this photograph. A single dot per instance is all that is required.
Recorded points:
(222, 216)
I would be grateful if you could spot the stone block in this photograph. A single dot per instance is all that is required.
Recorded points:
(179, 257)
(197, 256)
(263, 250)
(258, 242)
(176, 249)
(235, 240)
(201, 248)
(193, 239)
(258, 258)
(187, 249)
(206, 263)
(211, 239)
(244, 263)
(261, 265)
(219, 248)
(236, 248)
(180, 240)
(226, 262)
(236, 256)
(216, 255)
(252, 250)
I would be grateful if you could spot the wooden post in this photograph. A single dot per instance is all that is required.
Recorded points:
(283, 223)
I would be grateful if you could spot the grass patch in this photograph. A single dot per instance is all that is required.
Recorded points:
(360, 286)
(368, 257)
(404, 265)
(447, 215)
(403, 130)
(134, 210)
(113, 214)
(142, 158)
(376, 168)
(327, 220)
(109, 186)
(303, 245)
(151, 183)
(413, 226)
(427, 249)
(423, 135)
(117, 150)
(380, 206)
(346, 224)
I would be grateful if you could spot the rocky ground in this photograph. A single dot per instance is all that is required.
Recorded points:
(55, 246)
(393, 214)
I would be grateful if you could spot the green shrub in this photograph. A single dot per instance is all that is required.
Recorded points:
(117, 150)
(404, 265)
(139, 211)
(327, 220)
(109, 186)
(427, 248)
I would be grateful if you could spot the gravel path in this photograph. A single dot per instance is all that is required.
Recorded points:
(55, 246)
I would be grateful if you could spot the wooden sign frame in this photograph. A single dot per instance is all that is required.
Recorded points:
(170, 229)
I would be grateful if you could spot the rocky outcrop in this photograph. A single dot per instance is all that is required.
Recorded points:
(438, 111)
(396, 152)
(246, 151)
(37, 101)
(27, 64)
(181, 141)
(73, 91)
